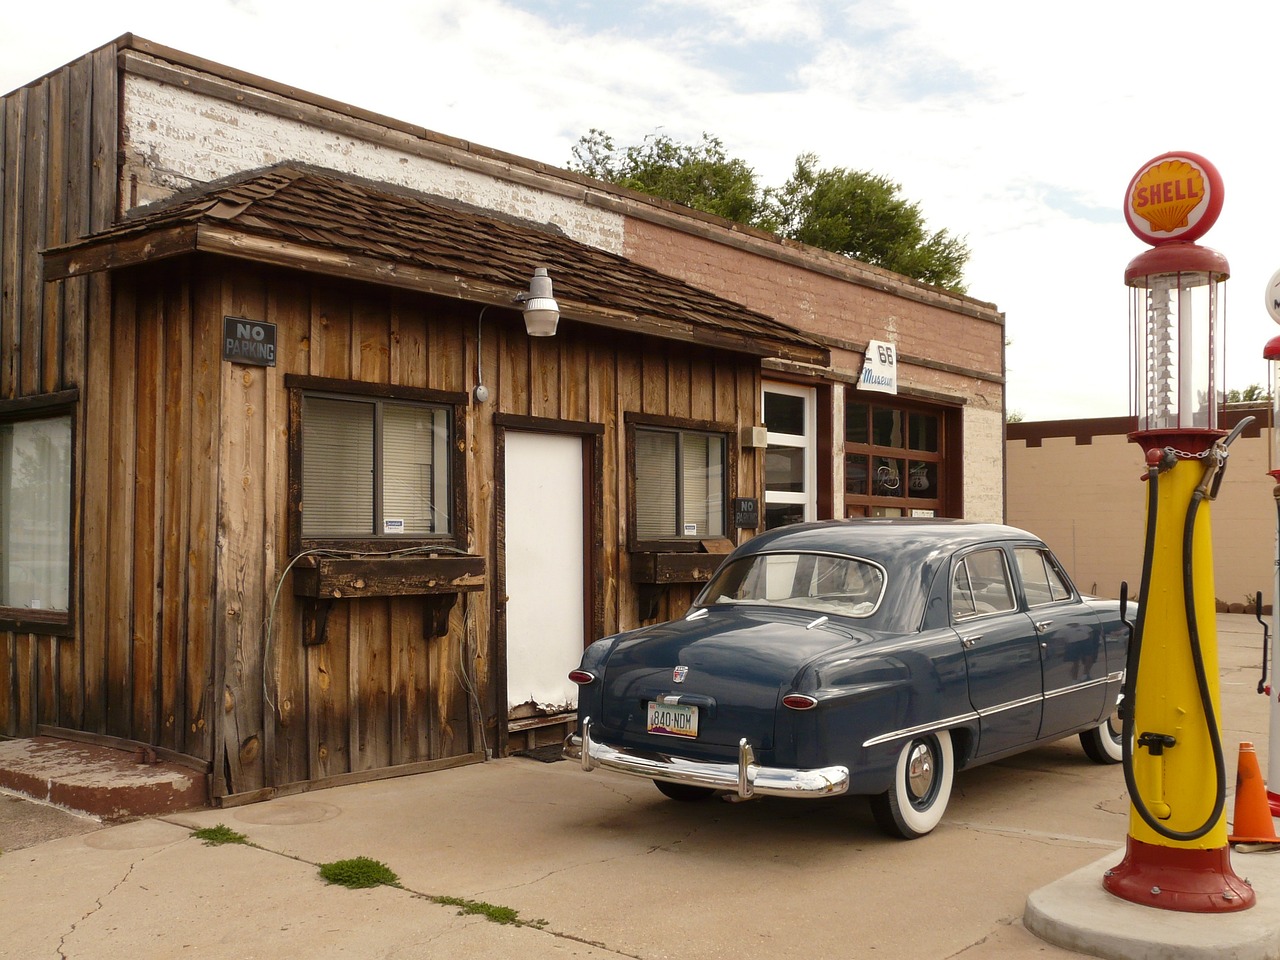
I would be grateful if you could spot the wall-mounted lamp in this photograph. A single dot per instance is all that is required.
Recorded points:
(541, 312)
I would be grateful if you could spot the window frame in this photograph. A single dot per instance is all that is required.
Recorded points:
(299, 386)
(944, 461)
(1052, 570)
(722, 431)
(49, 407)
(1010, 583)
(806, 442)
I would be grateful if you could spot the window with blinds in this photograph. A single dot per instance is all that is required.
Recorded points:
(679, 484)
(374, 467)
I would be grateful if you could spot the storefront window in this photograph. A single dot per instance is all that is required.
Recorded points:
(893, 455)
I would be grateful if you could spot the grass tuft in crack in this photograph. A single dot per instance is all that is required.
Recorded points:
(491, 912)
(216, 836)
(358, 873)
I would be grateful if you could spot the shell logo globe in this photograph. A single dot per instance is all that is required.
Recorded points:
(1174, 197)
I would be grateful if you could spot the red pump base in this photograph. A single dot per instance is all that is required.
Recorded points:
(1174, 878)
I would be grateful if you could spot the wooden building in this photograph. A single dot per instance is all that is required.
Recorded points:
(288, 489)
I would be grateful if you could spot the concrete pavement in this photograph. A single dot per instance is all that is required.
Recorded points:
(598, 865)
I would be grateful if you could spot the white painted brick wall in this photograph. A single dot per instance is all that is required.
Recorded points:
(175, 137)
(983, 465)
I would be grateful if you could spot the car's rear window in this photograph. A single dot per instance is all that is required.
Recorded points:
(823, 583)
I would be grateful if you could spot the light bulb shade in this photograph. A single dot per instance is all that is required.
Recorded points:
(541, 316)
(541, 312)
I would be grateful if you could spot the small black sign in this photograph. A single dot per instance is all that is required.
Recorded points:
(248, 341)
(746, 513)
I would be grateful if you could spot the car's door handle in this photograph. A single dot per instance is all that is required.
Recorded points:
(1043, 625)
(970, 641)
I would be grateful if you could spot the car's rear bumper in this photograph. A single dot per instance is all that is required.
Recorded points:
(746, 778)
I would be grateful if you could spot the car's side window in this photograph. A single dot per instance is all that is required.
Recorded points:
(980, 585)
(1042, 579)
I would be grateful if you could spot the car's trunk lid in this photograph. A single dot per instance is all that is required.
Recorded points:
(731, 665)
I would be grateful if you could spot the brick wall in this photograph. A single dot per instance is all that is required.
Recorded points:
(950, 347)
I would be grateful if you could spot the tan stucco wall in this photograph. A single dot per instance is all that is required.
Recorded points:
(1088, 502)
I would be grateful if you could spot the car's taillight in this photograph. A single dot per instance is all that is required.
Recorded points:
(581, 677)
(799, 701)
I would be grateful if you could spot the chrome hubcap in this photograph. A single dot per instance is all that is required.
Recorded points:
(920, 771)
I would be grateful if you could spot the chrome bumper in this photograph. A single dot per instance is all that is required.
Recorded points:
(746, 778)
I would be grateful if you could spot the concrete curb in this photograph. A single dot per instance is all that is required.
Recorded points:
(1076, 913)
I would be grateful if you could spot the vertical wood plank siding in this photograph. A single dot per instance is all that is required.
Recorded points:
(186, 632)
(58, 139)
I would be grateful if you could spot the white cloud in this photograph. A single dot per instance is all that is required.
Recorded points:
(1015, 126)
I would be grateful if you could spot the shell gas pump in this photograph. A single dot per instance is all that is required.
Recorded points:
(1177, 855)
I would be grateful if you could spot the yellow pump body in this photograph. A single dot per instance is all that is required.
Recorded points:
(1177, 856)
(1178, 781)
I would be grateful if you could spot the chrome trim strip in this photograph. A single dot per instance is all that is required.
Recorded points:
(921, 728)
(1075, 688)
(990, 711)
(1011, 705)
(745, 778)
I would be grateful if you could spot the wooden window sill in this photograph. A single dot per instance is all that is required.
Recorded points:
(327, 578)
(662, 567)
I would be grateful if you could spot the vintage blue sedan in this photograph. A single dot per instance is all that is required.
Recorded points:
(873, 656)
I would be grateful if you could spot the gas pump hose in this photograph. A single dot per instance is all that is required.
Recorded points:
(1197, 657)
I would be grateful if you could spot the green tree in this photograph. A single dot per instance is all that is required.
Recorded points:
(1249, 394)
(863, 215)
(858, 214)
(698, 175)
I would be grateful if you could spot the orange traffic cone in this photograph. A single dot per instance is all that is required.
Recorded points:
(1252, 821)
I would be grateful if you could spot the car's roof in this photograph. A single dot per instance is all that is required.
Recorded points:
(911, 549)
(883, 539)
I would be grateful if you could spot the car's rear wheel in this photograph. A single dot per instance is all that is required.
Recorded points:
(684, 792)
(1103, 744)
(915, 803)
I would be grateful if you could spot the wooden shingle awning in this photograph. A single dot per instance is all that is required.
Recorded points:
(323, 222)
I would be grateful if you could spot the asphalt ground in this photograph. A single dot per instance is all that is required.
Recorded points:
(599, 865)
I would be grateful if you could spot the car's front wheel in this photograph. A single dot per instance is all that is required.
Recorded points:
(915, 803)
(684, 792)
(1103, 744)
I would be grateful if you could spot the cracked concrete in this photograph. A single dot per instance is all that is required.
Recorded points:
(615, 869)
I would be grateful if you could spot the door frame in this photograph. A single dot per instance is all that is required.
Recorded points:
(592, 436)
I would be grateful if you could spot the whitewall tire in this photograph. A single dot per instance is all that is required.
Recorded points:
(922, 778)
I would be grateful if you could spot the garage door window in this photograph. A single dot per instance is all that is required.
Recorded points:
(893, 456)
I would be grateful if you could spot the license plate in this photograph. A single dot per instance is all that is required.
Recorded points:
(673, 719)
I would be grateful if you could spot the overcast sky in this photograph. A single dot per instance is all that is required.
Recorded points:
(1015, 125)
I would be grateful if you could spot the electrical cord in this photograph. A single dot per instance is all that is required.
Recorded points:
(329, 552)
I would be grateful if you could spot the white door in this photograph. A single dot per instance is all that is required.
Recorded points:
(545, 567)
(790, 462)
